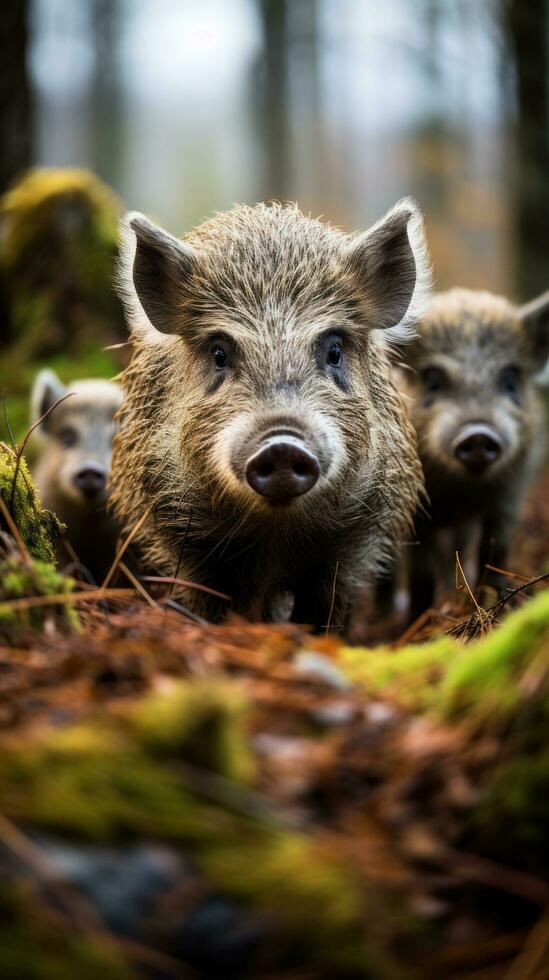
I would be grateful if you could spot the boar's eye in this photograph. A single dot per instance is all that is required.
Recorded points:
(329, 355)
(434, 380)
(68, 437)
(219, 356)
(509, 381)
(335, 354)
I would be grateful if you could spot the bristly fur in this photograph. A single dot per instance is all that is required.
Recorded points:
(472, 337)
(89, 413)
(273, 281)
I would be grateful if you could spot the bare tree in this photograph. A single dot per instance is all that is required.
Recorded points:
(273, 96)
(527, 28)
(15, 97)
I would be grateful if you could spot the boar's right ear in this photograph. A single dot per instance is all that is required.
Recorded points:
(391, 263)
(153, 267)
(46, 390)
(535, 319)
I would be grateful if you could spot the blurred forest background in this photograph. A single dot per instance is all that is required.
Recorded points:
(183, 107)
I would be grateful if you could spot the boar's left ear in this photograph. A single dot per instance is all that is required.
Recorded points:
(535, 319)
(153, 268)
(391, 263)
(47, 389)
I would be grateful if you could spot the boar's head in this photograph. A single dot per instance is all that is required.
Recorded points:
(471, 385)
(261, 380)
(76, 437)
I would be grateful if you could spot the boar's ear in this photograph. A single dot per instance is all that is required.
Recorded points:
(46, 390)
(535, 319)
(153, 267)
(391, 262)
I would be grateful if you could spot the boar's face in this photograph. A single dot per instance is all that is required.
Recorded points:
(265, 321)
(77, 436)
(471, 384)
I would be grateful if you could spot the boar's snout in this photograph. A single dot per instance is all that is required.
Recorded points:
(477, 447)
(91, 480)
(282, 468)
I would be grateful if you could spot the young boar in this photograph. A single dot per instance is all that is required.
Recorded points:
(479, 425)
(73, 464)
(262, 431)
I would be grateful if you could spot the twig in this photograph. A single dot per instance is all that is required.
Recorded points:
(521, 588)
(172, 604)
(333, 599)
(125, 547)
(506, 573)
(481, 613)
(137, 584)
(414, 627)
(471, 867)
(171, 580)
(21, 450)
(531, 962)
(30, 602)
(7, 421)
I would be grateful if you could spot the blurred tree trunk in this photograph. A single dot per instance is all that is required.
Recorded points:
(105, 100)
(527, 26)
(273, 102)
(15, 98)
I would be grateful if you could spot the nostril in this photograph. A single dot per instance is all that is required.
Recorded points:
(477, 448)
(91, 480)
(282, 468)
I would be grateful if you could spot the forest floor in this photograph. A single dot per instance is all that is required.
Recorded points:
(321, 811)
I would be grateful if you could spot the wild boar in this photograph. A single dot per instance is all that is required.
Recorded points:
(73, 463)
(262, 432)
(478, 418)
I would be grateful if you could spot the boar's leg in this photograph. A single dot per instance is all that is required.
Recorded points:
(422, 575)
(493, 550)
(385, 596)
(320, 600)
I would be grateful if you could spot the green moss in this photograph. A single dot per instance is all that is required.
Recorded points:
(411, 675)
(513, 815)
(38, 527)
(484, 680)
(21, 579)
(35, 945)
(480, 680)
(332, 922)
(199, 722)
(95, 781)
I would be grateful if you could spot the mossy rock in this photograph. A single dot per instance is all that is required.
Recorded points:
(27, 572)
(479, 681)
(22, 580)
(497, 690)
(37, 527)
(118, 779)
(58, 245)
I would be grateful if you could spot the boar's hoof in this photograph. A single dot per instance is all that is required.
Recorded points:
(91, 480)
(282, 468)
(477, 447)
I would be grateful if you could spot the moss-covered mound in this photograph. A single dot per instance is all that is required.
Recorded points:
(263, 804)
(58, 244)
(37, 527)
(28, 579)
